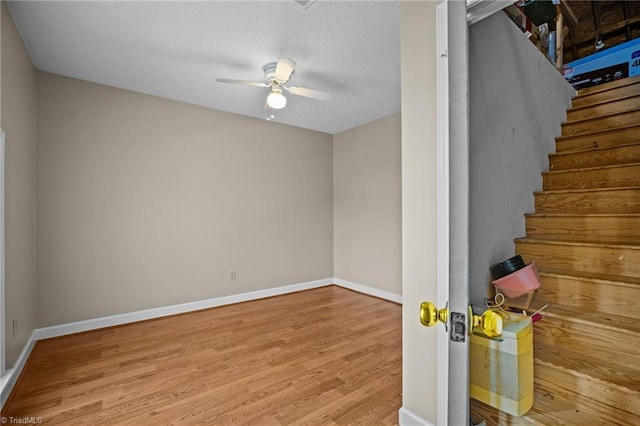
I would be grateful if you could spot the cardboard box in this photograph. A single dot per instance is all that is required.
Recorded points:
(611, 64)
(501, 372)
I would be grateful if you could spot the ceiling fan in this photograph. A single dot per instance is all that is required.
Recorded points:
(277, 75)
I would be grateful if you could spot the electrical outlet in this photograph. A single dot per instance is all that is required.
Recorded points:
(232, 274)
(15, 327)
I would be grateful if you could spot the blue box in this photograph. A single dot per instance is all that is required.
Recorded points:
(618, 62)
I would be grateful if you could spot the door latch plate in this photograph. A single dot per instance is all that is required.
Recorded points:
(458, 326)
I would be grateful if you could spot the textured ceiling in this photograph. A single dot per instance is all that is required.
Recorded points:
(176, 49)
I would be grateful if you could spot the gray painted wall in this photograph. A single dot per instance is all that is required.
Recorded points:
(517, 103)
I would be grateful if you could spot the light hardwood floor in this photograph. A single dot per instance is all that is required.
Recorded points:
(327, 356)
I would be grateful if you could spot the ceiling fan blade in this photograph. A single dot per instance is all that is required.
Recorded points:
(245, 82)
(310, 93)
(284, 69)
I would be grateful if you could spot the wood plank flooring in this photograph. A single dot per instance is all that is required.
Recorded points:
(327, 356)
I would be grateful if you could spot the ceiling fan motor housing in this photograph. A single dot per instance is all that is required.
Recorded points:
(270, 74)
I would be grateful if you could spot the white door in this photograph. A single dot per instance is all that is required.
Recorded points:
(435, 183)
(453, 19)
(453, 175)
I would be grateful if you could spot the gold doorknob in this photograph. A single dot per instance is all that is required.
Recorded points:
(490, 322)
(430, 315)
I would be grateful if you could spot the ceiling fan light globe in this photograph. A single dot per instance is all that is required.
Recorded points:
(276, 100)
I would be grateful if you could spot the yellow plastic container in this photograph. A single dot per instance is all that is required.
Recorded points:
(501, 372)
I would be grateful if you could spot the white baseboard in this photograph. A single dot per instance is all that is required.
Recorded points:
(10, 377)
(110, 321)
(368, 290)
(407, 417)
(113, 320)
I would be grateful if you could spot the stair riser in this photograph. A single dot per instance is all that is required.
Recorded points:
(605, 139)
(611, 107)
(611, 177)
(604, 229)
(582, 393)
(589, 296)
(619, 201)
(596, 342)
(619, 261)
(607, 95)
(601, 123)
(596, 158)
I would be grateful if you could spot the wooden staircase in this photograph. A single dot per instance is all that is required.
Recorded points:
(585, 239)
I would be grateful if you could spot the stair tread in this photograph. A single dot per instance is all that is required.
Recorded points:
(596, 132)
(564, 191)
(586, 169)
(601, 116)
(596, 242)
(621, 228)
(607, 86)
(592, 150)
(596, 280)
(567, 215)
(598, 117)
(547, 410)
(622, 245)
(604, 320)
(607, 278)
(602, 102)
(578, 364)
(570, 395)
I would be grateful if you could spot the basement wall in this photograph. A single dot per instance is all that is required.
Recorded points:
(146, 202)
(517, 102)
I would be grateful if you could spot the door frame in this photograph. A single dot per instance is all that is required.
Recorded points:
(442, 190)
(452, 193)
